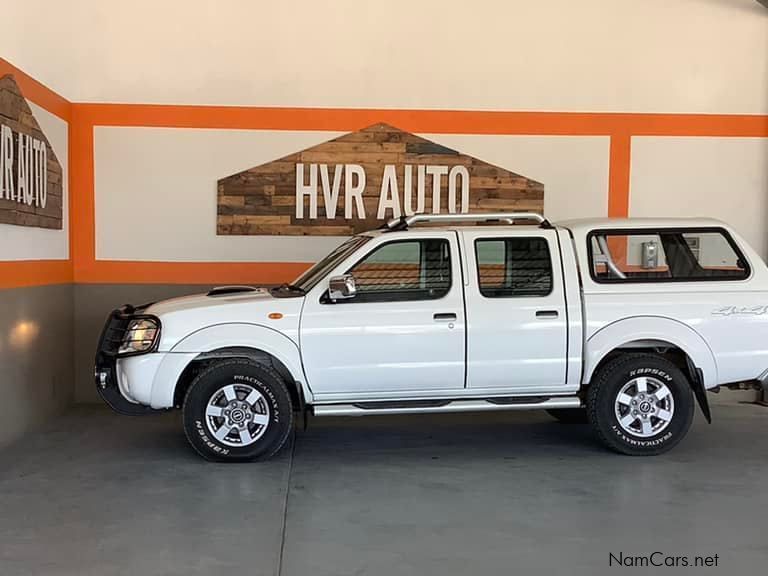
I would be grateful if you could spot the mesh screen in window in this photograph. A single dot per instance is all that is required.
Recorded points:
(665, 255)
(513, 267)
(404, 270)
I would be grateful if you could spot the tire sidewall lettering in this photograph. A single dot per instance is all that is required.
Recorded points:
(641, 443)
(265, 391)
(656, 372)
(218, 448)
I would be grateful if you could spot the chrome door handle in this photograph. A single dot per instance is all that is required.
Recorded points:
(546, 314)
(444, 317)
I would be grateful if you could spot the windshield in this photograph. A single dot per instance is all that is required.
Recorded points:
(312, 276)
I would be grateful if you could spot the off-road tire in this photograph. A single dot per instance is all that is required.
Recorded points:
(258, 376)
(605, 388)
(569, 415)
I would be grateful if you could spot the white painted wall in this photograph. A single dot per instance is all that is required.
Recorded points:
(155, 188)
(27, 242)
(155, 194)
(725, 178)
(573, 169)
(685, 56)
(708, 56)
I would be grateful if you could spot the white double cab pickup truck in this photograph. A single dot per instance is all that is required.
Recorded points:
(622, 323)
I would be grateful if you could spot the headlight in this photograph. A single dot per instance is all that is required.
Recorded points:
(139, 337)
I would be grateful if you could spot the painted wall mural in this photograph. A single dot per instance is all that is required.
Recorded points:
(356, 181)
(31, 188)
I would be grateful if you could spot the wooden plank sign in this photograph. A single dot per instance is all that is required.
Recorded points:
(359, 180)
(31, 188)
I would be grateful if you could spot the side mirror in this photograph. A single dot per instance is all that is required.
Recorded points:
(342, 287)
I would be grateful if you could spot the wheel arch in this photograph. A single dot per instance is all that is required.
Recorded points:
(205, 359)
(672, 338)
(254, 342)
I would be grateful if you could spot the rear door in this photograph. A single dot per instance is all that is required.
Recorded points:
(516, 310)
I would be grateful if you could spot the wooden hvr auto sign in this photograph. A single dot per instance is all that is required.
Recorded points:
(354, 182)
(30, 174)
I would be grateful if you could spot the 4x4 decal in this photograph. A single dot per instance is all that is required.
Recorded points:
(741, 310)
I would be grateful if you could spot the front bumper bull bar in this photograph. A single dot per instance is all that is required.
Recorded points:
(105, 372)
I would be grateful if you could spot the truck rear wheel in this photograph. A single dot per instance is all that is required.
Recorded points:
(640, 404)
(237, 410)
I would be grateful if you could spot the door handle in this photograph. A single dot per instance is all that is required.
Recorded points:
(546, 314)
(444, 317)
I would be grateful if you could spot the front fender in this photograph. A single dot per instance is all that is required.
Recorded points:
(229, 335)
(622, 332)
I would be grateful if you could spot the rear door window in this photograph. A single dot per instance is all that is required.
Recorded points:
(514, 266)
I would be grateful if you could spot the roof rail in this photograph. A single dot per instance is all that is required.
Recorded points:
(405, 222)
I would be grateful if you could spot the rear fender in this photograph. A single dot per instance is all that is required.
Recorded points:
(627, 332)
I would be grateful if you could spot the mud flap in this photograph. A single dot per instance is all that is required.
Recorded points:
(697, 384)
(303, 407)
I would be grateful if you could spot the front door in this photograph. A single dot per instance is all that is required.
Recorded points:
(516, 314)
(403, 331)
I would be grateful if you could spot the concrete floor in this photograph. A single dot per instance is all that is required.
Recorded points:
(100, 494)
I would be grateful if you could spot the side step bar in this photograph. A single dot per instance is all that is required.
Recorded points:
(437, 406)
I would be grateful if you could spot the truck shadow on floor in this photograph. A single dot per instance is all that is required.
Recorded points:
(473, 436)
(328, 441)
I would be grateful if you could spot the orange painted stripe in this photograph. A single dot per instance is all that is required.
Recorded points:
(37, 92)
(620, 127)
(619, 167)
(343, 120)
(425, 121)
(23, 273)
(618, 175)
(714, 125)
(82, 229)
(125, 272)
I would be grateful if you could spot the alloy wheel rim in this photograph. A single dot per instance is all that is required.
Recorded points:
(237, 415)
(644, 406)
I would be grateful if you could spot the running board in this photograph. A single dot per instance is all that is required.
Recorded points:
(436, 406)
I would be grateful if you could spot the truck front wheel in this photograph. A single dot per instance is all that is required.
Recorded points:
(237, 410)
(640, 404)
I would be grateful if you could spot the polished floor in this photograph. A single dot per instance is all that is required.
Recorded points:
(99, 494)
